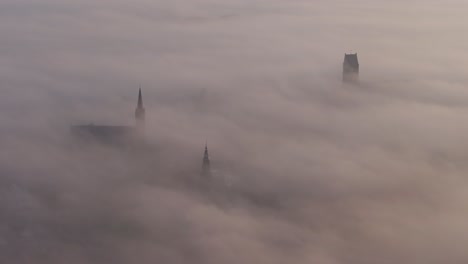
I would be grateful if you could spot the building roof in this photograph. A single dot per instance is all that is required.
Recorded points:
(352, 60)
(103, 133)
(112, 134)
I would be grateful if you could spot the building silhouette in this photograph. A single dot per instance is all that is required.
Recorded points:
(206, 170)
(128, 138)
(351, 68)
(140, 113)
(114, 135)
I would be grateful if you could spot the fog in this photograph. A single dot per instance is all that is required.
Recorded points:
(306, 169)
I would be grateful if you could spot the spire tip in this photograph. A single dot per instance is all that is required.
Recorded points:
(140, 98)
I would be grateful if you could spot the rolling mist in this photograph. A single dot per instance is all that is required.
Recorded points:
(306, 169)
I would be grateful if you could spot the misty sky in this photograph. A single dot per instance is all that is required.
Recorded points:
(307, 169)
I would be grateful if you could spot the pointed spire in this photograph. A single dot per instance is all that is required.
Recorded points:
(140, 98)
(206, 171)
(205, 155)
(140, 111)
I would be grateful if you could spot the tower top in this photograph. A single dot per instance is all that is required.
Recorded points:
(351, 68)
(206, 171)
(206, 157)
(140, 98)
(351, 59)
(140, 111)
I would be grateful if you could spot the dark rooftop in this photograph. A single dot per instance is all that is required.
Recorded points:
(352, 60)
(103, 133)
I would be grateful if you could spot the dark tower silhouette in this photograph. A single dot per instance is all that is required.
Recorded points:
(140, 112)
(351, 68)
(114, 135)
(206, 171)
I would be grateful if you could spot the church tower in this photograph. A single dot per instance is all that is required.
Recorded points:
(140, 112)
(351, 68)
(206, 171)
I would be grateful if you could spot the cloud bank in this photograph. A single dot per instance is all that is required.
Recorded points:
(307, 169)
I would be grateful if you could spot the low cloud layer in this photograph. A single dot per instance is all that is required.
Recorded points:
(306, 169)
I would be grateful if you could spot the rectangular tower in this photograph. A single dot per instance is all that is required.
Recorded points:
(351, 68)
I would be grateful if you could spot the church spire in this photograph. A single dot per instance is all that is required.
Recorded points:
(140, 98)
(206, 171)
(140, 111)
